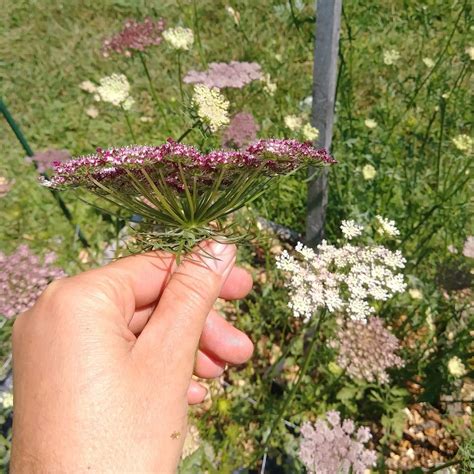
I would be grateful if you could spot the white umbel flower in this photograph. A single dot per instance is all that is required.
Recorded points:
(390, 56)
(115, 89)
(88, 86)
(345, 280)
(293, 122)
(310, 133)
(369, 172)
(387, 227)
(428, 62)
(351, 229)
(463, 143)
(370, 123)
(456, 368)
(211, 106)
(179, 38)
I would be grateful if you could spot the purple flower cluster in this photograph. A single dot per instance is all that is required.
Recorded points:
(234, 74)
(367, 350)
(135, 36)
(45, 159)
(335, 447)
(23, 277)
(241, 131)
(169, 161)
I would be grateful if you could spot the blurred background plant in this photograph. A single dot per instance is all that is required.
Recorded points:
(403, 140)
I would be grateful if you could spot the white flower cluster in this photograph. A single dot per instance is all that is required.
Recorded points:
(115, 89)
(351, 229)
(387, 227)
(211, 106)
(295, 124)
(344, 280)
(179, 38)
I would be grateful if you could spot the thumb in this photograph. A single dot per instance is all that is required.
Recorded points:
(178, 320)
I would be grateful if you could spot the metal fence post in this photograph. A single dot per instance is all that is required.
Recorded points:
(328, 21)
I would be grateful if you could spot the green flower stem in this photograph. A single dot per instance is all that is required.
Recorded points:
(287, 402)
(180, 77)
(24, 143)
(129, 125)
(188, 131)
(157, 101)
(198, 34)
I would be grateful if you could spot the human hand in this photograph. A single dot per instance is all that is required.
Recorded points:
(103, 362)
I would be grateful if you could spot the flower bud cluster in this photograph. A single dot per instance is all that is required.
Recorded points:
(366, 351)
(234, 74)
(135, 36)
(335, 446)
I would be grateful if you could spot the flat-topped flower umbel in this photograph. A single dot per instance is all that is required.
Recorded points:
(181, 193)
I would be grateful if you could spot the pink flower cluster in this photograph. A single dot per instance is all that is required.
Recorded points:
(135, 36)
(335, 447)
(241, 131)
(234, 74)
(45, 159)
(23, 277)
(112, 167)
(367, 350)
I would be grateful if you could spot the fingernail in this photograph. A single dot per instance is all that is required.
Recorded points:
(224, 255)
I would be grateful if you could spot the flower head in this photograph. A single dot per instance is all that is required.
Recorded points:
(211, 106)
(335, 446)
(88, 86)
(456, 368)
(135, 36)
(268, 85)
(241, 131)
(343, 280)
(428, 62)
(23, 277)
(387, 227)
(180, 189)
(115, 89)
(368, 172)
(390, 57)
(309, 132)
(464, 143)
(415, 293)
(234, 74)
(179, 38)
(234, 14)
(293, 122)
(366, 351)
(370, 123)
(351, 229)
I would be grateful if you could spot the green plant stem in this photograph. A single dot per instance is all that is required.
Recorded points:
(129, 125)
(287, 402)
(24, 143)
(198, 34)
(157, 101)
(187, 132)
(180, 77)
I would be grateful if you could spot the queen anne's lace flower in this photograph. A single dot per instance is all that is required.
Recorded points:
(234, 74)
(211, 106)
(335, 447)
(351, 229)
(390, 57)
(342, 279)
(309, 132)
(179, 38)
(387, 227)
(368, 172)
(241, 131)
(463, 143)
(366, 351)
(135, 36)
(293, 122)
(115, 89)
(370, 123)
(23, 277)
(456, 368)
